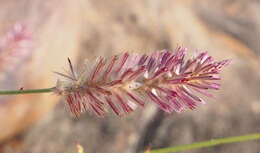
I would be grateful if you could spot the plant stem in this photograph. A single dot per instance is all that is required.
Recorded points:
(209, 143)
(30, 91)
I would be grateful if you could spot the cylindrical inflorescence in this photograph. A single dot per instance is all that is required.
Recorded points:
(125, 81)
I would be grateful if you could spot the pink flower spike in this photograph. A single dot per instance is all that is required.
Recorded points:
(125, 80)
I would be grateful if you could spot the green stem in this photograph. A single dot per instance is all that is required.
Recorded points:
(209, 143)
(30, 91)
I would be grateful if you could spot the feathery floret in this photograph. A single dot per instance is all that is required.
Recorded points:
(125, 81)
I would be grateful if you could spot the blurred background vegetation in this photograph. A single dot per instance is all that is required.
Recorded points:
(82, 29)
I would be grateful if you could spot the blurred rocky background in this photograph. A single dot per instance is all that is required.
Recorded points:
(79, 29)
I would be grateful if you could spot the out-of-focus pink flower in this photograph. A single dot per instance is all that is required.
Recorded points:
(15, 46)
(124, 81)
